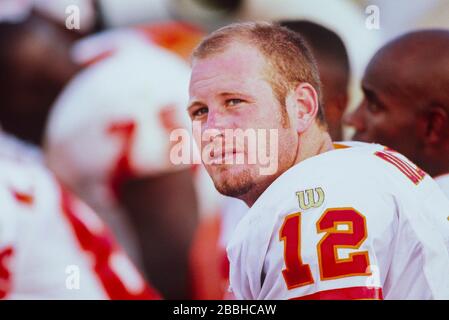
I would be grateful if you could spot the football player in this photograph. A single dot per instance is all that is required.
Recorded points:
(333, 66)
(327, 221)
(51, 244)
(406, 101)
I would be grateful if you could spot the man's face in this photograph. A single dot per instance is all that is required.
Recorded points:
(383, 117)
(228, 90)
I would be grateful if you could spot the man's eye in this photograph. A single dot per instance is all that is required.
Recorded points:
(200, 112)
(233, 102)
(372, 107)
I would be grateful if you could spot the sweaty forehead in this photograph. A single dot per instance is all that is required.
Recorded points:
(231, 69)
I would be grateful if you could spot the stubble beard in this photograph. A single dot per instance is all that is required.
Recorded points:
(236, 185)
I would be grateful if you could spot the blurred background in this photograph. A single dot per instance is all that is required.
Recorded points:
(347, 18)
(98, 85)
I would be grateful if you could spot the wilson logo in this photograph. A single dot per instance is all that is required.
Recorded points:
(310, 198)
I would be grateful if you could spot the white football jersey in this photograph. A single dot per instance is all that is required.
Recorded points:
(359, 222)
(232, 211)
(52, 246)
(443, 182)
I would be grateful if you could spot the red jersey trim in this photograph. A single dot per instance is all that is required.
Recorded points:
(352, 293)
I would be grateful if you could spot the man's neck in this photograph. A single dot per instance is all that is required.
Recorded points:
(312, 143)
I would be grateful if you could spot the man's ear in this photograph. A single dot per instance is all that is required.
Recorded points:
(305, 106)
(437, 125)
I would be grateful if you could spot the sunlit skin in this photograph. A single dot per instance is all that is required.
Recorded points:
(401, 107)
(229, 90)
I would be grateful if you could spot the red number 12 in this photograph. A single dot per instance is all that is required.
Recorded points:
(297, 274)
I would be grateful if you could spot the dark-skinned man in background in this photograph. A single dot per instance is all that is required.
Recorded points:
(406, 101)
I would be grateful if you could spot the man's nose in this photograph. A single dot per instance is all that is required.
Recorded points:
(217, 120)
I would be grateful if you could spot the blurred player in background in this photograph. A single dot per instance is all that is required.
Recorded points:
(333, 66)
(108, 138)
(51, 244)
(406, 103)
(313, 230)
